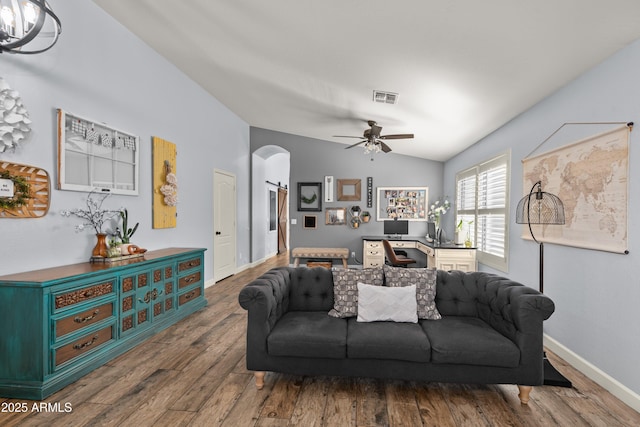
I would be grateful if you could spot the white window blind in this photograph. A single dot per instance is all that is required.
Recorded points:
(482, 199)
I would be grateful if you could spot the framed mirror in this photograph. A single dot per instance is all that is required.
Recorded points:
(349, 190)
(95, 157)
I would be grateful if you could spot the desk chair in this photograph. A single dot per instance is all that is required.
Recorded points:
(396, 260)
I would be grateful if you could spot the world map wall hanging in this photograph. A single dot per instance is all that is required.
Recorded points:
(591, 178)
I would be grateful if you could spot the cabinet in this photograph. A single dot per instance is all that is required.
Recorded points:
(453, 259)
(61, 323)
(440, 257)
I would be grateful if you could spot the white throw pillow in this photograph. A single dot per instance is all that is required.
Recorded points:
(381, 303)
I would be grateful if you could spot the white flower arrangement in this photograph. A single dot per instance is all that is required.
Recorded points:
(94, 216)
(437, 209)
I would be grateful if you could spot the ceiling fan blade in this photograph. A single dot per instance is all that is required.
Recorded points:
(355, 145)
(384, 147)
(397, 136)
(345, 136)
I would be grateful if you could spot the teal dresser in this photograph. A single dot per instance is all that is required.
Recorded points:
(61, 323)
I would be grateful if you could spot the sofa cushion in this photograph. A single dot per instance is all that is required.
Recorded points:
(308, 334)
(345, 289)
(311, 289)
(380, 303)
(425, 281)
(469, 341)
(387, 340)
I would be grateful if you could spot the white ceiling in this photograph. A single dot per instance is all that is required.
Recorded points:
(462, 68)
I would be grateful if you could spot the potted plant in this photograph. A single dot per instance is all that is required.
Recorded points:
(126, 233)
(459, 235)
(114, 248)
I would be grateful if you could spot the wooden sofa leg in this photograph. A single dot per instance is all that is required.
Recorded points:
(259, 375)
(524, 393)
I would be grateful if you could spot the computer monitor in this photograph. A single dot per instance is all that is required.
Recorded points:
(396, 227)
(431, 229)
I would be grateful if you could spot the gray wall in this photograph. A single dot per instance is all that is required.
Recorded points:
(596, 293)
(313, 159)
(101, 71)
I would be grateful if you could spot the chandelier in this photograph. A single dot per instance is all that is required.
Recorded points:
(27, 21)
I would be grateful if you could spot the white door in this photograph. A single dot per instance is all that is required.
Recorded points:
(224, 225)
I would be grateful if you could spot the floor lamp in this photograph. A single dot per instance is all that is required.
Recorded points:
(540, 207)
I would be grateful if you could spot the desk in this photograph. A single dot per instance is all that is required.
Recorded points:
(443, 257)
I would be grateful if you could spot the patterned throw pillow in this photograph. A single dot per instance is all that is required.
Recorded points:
(425, 281)
(345, 289)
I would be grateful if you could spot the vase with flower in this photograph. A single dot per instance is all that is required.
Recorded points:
(436, 211)
(94, 217)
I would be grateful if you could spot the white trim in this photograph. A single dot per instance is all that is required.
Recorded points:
(615, 387)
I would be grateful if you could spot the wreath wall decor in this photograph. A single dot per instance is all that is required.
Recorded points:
(21, 191)
(31, 191)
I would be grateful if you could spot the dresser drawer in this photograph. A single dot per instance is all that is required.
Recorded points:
(85, 293)
(427, 250)
(83, 319)
(373, 244)
(374, 263)
(189, 296)
(456, 254)
(83, 345)
(189, 280)
(189, 264)
(396, 244)
(374, 252)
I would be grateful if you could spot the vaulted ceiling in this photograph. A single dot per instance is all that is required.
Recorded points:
(461, 68)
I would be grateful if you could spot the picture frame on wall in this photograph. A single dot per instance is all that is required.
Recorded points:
(310, 196)
(349, 190)
(335, 216)
(410, 203)
(310, 222)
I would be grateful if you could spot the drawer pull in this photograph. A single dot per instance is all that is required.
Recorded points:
(86, 319)
(189, 279)
(190, 295)
(88, 293)
(87, 344)
(151, 295)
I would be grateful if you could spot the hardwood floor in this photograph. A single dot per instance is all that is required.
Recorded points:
(193, 374)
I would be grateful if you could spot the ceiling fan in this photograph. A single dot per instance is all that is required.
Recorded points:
(373, 141)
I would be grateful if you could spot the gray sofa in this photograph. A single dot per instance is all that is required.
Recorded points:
(490, 332)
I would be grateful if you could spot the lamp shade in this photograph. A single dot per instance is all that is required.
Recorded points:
(540, 207)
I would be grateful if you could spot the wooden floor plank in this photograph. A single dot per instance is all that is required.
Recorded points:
(194, 374)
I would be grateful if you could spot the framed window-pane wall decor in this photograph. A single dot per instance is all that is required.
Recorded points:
(93, 156)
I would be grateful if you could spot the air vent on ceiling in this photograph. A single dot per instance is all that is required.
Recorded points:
(385, 97)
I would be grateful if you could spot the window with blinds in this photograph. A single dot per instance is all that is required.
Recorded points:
(482, 203)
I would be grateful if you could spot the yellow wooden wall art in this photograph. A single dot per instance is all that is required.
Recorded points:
(165, 184)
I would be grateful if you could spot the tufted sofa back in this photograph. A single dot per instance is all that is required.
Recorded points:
(311, 289)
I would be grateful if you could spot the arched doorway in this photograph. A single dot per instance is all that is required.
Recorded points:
(270, 170)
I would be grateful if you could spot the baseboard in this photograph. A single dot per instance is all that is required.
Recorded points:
(594, 373)
(242, 268)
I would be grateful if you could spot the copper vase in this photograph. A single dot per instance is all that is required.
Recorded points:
(100, 250)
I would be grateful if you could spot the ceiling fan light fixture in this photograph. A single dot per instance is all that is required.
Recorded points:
(385, 97)
(25, 22)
